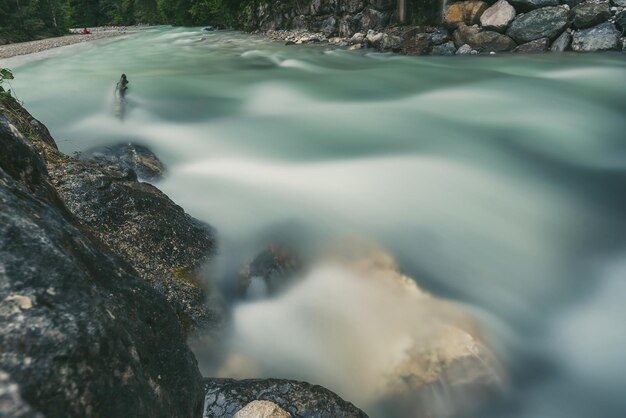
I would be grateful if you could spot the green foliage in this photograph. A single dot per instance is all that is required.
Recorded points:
(5, 75)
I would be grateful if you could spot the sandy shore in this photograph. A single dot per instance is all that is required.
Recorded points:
(23, 48)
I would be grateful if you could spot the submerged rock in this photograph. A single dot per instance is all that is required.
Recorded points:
(547, 22)
(128, 156)
(276, 267)
(82, 335)
(498, 17)
(224, 397)
(603, 37)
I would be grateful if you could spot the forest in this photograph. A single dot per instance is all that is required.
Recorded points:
(22, 20)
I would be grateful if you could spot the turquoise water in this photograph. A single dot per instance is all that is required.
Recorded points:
(495, 181)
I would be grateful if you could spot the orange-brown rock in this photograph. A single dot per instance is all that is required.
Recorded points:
(465, 12)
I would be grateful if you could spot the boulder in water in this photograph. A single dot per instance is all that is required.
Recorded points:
(547, 22)
(82, 335)
(444, 49)
(129, 156)
(603, 37)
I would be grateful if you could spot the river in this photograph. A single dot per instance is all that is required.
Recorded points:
(498, 182)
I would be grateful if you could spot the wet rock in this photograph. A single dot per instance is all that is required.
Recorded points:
(488, 41)
(534, 47)
(527, 5)
(439, 37)
(374, 39)
(322, 7)
(419, 45)
(590, 14)
(464, 49)
(547, 22)
(498, 17)
(465, 12)
(82, 335)
(142, 225)
(444, 49)
(11, 403)
(128, 156)
(620, 21)
(620, 3)
(603, 37)
(276, 267)
(226, 396)
(561, 43)
(463, 34)
(326, 26)
(262, 409)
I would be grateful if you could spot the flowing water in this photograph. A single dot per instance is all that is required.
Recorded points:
(498, 182)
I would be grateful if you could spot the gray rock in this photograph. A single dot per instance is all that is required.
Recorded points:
(383, 4)
(439, 37)
(464, 49)
(623, 44)
(226, 396)
(572, 3)
(547, 22)
(322, 7)
(620, 21)
(351, 6)
(603, 37)
(620, 3)
(128, 156)
(586, 15)
(498, 17)
(357, 38)
(534, 47)
(370, 19)
(82, 335)
(527, 5)
(326, 26)
(561, 43)
(444, 49)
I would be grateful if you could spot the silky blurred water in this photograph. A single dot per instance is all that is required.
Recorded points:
(498, 182)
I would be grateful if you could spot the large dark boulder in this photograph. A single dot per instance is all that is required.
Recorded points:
(224, 397)
(272, 270)
(142, 225)
(370, 19)
(129, 156)
(547, 22)
(590, 14)
(82, 335)
(527, 5)
(603, 37)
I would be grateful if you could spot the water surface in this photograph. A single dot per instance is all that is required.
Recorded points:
(498, 182)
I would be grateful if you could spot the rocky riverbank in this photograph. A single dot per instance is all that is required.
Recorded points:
(468, 27)
(99, 286)
(23, 48)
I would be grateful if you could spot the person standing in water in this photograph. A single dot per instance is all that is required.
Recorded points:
(120, 96)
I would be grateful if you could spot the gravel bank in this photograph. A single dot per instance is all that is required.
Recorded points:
(23, 48)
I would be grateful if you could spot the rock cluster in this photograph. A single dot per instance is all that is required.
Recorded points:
(527, 26)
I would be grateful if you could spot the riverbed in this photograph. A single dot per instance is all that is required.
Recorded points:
(497, 182)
